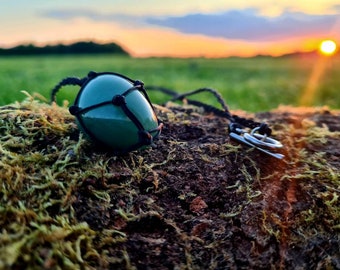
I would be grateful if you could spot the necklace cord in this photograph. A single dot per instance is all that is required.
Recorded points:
(64, 82)
(237, 121)
(240, 122)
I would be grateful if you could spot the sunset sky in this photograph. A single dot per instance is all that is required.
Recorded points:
(178, 28)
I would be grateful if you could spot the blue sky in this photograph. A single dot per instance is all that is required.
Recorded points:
(176, 28)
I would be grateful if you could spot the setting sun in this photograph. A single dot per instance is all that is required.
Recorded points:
(328, 47)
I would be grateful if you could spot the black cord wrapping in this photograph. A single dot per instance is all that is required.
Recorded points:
(145, 136)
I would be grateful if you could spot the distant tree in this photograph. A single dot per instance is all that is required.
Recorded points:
(75, 48)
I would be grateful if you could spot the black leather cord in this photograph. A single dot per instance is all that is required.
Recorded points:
(240, 121)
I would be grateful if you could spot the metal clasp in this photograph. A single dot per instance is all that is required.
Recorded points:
(255, 140)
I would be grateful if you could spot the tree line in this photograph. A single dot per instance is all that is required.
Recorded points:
(75, 48)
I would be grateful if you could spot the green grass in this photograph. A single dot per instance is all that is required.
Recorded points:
(257, 84)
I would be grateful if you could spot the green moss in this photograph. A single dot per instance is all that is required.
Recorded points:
(66, 204)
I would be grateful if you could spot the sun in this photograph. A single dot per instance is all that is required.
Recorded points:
(328, 47)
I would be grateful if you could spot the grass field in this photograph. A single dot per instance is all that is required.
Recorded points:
(195, 200)
(256, 84)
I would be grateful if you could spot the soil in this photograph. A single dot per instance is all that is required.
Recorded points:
(197, 199)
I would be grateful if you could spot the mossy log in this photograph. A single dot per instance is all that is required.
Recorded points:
(195, 200)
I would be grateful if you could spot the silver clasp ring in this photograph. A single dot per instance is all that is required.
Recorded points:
(261, 140)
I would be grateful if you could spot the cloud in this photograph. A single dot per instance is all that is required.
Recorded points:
(69, 14)
(246, 24)
(249, 25)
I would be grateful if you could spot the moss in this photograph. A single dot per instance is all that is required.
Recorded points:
(67, 204)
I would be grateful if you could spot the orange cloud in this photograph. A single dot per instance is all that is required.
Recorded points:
(153, 41)
(165, 42)
(160, 42)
